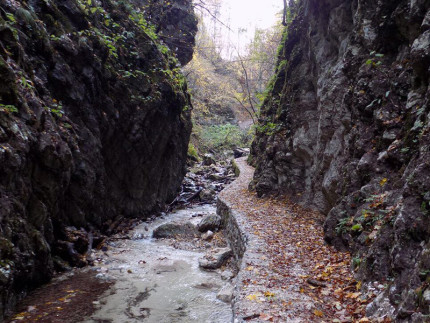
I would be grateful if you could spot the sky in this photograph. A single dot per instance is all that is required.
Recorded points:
(245, 15)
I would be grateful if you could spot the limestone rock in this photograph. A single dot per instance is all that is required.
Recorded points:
(208, 236)
(215, 258)
(207, 195)
(98, 131)
(209, 222)
(226, 293)
(174, 230)
(208, 159)
(227, 274)
(240, 152)
(351, 130)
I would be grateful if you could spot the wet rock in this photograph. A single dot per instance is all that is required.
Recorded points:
(208, 159)
(210, 222)
(227, 275)
(215, 258)
(165, 269)
(208, 285)
(137, 236)
(426, 296)
(240, 152)
(174, 230)
(207, 195)
(226, 293)
(208, 236)
(216, 177)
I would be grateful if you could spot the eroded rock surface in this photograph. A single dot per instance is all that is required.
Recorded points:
(210, 222)
(94, 125)
(174, 230)
(345, 129)
(215, 258)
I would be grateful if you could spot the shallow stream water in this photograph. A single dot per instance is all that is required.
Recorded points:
(157, 280)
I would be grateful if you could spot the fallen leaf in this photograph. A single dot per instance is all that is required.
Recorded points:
(318, 313)
(252, 297)
(269, 294)
(266, 317)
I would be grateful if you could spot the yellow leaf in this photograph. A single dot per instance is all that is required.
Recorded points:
(358, 286)
(269, 294)
(383, 182)
(252, 297)
(266, 317)
(353, 295)
(249, 268)
(303, 276)
(318, 313)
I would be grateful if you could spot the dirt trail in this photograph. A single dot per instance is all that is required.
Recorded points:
(290, 274)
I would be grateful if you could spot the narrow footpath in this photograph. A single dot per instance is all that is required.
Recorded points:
(288, 273)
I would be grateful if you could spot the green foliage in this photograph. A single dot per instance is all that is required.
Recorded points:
(11, 18)
(425, 208)
(356, 262)
(357, 227)
(145, 26)
(268, 128)
(55, 109)
(374, 60)
(226, 136)
(8, 108)
(343, 225)
(192, 151)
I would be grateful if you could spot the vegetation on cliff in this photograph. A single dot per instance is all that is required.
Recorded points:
(94, 126)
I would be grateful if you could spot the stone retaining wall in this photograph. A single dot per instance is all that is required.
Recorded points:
(247, 249)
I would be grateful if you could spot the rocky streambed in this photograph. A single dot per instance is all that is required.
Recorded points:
(173, 268)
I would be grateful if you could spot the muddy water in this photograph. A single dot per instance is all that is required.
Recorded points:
(158, 281)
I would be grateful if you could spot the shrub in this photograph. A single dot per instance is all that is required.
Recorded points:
(221, 137)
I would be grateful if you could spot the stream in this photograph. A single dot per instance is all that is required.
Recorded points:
(159, 281)
(136, 278)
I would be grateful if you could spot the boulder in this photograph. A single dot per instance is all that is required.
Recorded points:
(215, 258)
(207, 195)
(227, 275)
(208, 235)
(174, 230)
(226, 293)
(208, 159)
(210, 222)
(240, 152)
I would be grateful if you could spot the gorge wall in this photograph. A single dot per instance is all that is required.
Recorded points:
(345, 129)
(94, 125)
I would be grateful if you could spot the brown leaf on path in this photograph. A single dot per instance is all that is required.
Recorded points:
(318, 313)
(266, 317)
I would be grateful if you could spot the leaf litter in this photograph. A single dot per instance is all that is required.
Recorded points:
(301, 266)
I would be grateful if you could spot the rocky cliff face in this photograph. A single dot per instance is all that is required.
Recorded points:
(94, 125)
(345, 129)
